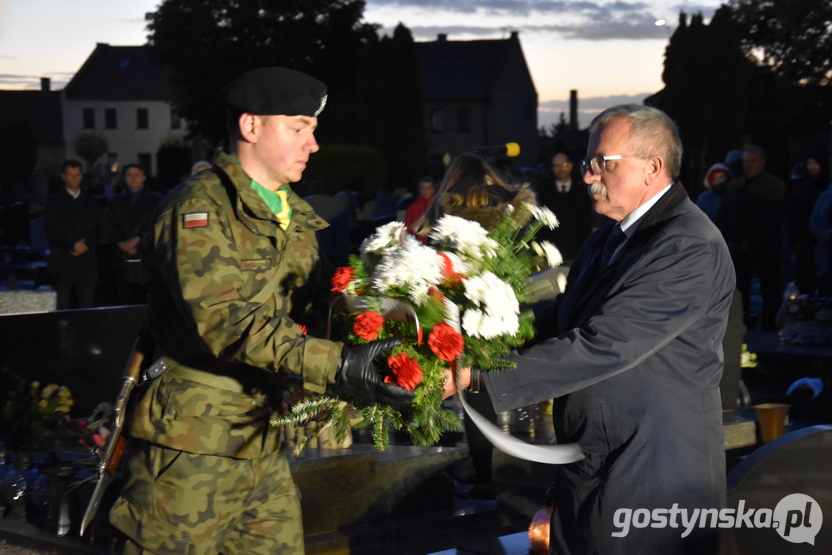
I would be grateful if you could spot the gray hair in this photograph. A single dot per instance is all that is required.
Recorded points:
(653, 133)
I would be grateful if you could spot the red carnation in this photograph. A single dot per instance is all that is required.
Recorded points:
(342, 278)
(445, 342)
(406, 372)
(368, 324)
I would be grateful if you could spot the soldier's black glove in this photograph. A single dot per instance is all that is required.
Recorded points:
(359, 377)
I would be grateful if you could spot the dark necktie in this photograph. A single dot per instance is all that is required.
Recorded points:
(615, 238)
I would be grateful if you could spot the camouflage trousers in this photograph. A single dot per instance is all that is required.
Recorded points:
(177, 502)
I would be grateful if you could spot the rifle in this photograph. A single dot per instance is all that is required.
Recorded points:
(115, 446)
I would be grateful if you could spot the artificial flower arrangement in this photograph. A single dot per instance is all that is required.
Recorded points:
(94, 431)
(456, 303)
(30, 411)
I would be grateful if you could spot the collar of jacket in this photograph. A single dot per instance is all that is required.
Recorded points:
(253, 211)
(652, 221)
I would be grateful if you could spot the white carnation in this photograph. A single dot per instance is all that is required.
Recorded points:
(543, 215)
(498, 308)
(466, 237)
(384, 239)
(413, 267)
(553, 256)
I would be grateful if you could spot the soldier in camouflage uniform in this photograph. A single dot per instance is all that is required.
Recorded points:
(228, 251)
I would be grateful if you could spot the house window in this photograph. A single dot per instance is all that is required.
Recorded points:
(175, 119)
(437, 120)
(146, 162)
(141, 118)
(89, 118)
(110, 118)
(463, 120)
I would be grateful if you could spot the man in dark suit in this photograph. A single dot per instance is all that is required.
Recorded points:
(71, 219)
(566, 195)
(632, 354)
(128, 217)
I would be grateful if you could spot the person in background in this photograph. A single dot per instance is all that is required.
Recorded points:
(801, 196)
(715, 182)
(751, 220)
(127, 219)
(734, 161)
(72, 221)
(199, 166)
(417, 208)
(566, 195)
(820, 224)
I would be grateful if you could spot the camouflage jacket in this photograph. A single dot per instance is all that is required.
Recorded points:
(221, 276)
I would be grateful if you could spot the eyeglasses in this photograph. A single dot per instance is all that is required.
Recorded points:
(598, 164)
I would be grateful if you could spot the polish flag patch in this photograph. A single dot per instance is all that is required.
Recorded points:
(195, 219)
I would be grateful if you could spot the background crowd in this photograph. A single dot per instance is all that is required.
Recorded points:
(778, 228)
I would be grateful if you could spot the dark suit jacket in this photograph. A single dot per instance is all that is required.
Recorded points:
(751, 215)
(633, 355)
(574, 212)
(67, 220)
(126, 219)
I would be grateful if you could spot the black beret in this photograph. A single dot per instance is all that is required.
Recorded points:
(270, 91)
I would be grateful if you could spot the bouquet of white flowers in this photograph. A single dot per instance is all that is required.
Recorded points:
(457, 302)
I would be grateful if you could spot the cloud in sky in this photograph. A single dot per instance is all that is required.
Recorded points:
(515, 7)
(597, 21)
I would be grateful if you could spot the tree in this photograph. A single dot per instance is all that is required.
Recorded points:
(792, 37)
(562, 125)
(19, 148)
(173, 162)
(90, 147)
(204, 44)
(390, 107)
(706, 77)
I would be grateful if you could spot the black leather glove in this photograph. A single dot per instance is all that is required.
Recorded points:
(359, 377)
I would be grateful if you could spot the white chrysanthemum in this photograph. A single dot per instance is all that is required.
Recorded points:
(543, 215)
(498, 307)
(553, 256)
(561, 281)
(385, 239)
(472, 321)
(466, 237)
(413, 267)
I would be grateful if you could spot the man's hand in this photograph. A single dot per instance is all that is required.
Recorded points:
(79, 248)
(449, 387)
(359, 376)
(129, 246)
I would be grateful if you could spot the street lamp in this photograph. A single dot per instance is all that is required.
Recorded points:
(663, 23)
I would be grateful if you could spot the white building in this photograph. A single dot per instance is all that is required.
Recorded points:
(122, 96)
